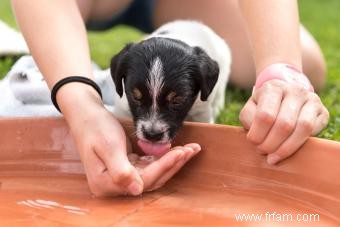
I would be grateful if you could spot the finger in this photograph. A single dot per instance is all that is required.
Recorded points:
(159, 168)
(168, 175)
(268, 99)
(144, 161)
(155, 170)
(247, 114)
(99, 180)
(321, 121)
(120, 169)
(323, 114)
(284, 124)
(104, 186)
(304, 129)
(194, 146)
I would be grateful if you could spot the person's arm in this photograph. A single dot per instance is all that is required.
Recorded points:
(56, 36)
(274, 30)
(57, 39)
(280, 115)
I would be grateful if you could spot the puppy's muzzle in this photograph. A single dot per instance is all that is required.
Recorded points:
(152, 134)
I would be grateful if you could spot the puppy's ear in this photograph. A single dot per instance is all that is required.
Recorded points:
(208, 71)
(118, 68)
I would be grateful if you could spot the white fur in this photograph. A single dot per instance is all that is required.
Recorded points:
(155, 123)
(197, 34)
(155, 82)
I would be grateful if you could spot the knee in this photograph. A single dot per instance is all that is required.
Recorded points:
(243, 73)
(313, 61)
(314, 66)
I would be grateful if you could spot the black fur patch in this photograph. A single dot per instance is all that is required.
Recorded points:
(186, 71)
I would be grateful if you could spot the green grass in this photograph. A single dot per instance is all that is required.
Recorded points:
(103, 46)
(320, 17)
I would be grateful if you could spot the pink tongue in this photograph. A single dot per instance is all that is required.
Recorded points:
(157, 149)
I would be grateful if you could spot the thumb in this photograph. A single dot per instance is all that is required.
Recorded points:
(123, 173)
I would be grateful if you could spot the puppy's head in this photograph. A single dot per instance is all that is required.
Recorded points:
(162, 78)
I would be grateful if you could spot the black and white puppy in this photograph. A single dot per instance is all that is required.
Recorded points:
(177, 73)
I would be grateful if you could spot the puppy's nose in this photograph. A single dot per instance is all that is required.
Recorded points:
(153, 135)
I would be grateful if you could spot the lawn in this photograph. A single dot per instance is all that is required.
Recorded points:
(320, 17)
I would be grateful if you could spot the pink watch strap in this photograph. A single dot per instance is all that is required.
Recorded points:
(285, 72)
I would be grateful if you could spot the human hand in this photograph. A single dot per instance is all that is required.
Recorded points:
(156, 171)
(280, 116)
(105, 153)
(105, 150)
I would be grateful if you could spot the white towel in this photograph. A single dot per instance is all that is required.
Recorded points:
(24, 92)
(27, 83)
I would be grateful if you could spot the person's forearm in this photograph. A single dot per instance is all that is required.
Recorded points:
(56, 36)
(274, 31)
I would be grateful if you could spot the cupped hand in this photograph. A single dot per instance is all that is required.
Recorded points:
(156, 171)
(280, 116)
(105, 152)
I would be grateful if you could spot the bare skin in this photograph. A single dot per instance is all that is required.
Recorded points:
(100, 139)
(59, 45)
(279, 117)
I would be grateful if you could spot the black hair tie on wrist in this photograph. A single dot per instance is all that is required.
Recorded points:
(71, 79)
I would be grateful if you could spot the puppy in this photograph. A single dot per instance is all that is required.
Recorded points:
(177, 73)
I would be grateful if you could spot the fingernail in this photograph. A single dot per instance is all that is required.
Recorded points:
(195, 148)
(135, 188)
(198, 148)
(196, 151)
(272, 159)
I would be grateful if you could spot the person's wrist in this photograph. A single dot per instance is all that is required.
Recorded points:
(71, 79)
(78, 98)
(284, 72)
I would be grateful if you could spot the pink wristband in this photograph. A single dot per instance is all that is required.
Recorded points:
(285, 72)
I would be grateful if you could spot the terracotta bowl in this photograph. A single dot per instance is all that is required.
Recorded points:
(42, 182)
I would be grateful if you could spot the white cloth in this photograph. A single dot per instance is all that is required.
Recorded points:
(24, 92)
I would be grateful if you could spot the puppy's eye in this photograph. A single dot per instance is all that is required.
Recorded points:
(137, 94)
(174, 100)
